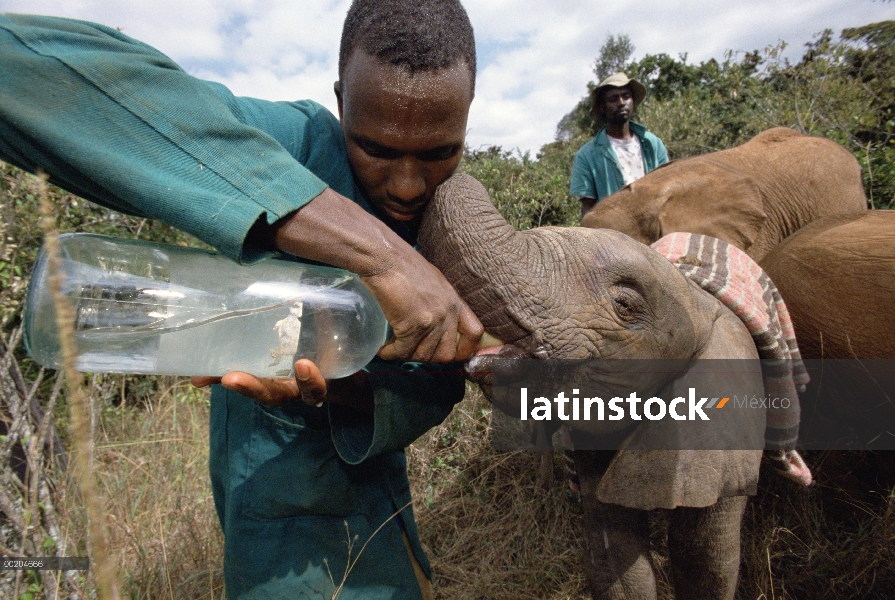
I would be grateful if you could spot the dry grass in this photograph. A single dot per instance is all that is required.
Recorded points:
(833, 540)
(163, 528)
(145, 441)
(152, 471)
(490, 530)
(104, 571)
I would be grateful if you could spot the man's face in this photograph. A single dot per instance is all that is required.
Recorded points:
(404, 133)
(618, 105)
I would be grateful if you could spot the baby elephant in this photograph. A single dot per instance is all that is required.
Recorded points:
(837, 277)
(578, 293)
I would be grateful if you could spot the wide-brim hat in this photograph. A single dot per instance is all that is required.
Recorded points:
(616, 80)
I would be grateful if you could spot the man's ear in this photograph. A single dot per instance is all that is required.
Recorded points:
(337, 88)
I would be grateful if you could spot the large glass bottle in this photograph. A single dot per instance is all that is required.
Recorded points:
(143, 307)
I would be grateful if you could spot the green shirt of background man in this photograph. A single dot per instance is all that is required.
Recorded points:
(117, 122)
(596, 172)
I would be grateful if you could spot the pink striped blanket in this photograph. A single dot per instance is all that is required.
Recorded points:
(740, 284)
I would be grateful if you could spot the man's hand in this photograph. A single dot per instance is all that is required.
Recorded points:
(431, 322)
(307, 386)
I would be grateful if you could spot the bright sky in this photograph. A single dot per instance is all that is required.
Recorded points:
(534, 57)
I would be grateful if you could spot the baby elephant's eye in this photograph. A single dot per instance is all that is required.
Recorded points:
(628, 304)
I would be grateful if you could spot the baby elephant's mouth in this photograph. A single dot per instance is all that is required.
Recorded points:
(479, 368)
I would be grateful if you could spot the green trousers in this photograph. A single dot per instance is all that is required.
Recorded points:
(299, 521)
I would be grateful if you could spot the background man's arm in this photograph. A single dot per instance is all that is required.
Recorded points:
(661, 153)
(587, 204)
(582, 184)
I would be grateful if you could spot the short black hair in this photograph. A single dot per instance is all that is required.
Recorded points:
(422, 35)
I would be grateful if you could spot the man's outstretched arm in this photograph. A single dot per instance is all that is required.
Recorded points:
(430, 322)
(119, 123)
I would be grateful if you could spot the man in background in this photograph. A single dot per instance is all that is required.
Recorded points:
(622, 151)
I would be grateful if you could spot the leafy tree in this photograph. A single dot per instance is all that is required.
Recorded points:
(529, 193)
(614, 55)
(869, 57)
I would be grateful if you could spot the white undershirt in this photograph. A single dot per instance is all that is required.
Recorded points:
(630, 157)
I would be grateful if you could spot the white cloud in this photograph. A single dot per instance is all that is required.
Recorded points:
(563, 38)
(535, 58)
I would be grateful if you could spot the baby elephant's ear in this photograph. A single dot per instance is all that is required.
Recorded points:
(715, 201)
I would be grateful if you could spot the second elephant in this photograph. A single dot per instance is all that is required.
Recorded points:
(752, 196)
(837, 277)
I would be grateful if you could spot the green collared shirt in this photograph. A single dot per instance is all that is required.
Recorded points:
(596, 172)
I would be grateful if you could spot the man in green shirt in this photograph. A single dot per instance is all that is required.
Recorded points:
(117, 122)
(622, 151)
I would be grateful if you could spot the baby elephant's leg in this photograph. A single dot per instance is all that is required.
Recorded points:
(617, 561)
(704, 547)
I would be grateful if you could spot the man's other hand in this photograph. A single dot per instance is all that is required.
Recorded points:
(307, 386)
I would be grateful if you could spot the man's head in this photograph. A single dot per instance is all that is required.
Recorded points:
(615, 99)
(406, 79)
